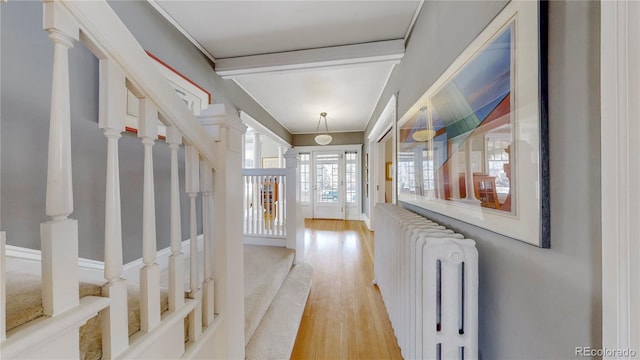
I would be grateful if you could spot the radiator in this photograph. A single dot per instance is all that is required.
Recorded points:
(428, 277)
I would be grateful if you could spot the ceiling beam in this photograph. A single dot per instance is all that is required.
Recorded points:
(390, 51)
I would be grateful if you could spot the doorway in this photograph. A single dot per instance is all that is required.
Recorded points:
(329, 194)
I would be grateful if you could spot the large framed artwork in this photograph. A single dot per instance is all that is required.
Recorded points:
(194, 96)
(475, 146)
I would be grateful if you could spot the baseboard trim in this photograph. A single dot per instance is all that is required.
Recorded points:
(21, 259)
(264, 241)
(365, 218)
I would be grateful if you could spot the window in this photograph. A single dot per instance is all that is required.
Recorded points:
(406, 172)
(351, 177)
(498, 162)
(248, 151)
(305, 177)
(428, 175)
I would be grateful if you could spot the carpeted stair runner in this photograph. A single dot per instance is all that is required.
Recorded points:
(276, 335)
(265, 269)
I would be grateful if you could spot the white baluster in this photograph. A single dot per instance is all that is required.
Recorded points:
(176, 260)
(150, 272)
(112, 114)
(192, 187)
(59, 236)
(206, 187)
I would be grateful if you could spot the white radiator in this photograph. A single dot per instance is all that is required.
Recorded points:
(428, 277)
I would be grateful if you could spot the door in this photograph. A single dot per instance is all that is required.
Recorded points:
(329, 185)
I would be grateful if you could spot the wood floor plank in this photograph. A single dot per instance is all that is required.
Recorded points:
(345, 317)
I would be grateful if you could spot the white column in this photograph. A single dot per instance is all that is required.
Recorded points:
(229, 256)
(281, 160)
(59, 236)
(150, 272)
(192, 187)
(257, 150)
(294, 219)
(206, 187)
(468, 174)
(176, 259)
(113, 94)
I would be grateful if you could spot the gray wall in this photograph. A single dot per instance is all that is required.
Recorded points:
(534, 303)
(159, 37)
(26, 58)
(344, 138)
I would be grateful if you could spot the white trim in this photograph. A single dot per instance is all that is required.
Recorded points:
(28, 261)
(385, 120)
(182, 30)
(365, 218)
(264, 241)
(413, 20)
(260, 128)
(312, 148)
(388, 51)
(620, 174)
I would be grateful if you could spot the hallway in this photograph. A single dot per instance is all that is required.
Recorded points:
(345, 317)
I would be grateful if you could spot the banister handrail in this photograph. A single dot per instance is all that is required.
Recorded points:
(104, 33)
(264, 172)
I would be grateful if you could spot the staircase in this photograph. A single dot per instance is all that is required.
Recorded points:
(276, 293)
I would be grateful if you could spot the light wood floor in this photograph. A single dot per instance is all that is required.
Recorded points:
(345, 317)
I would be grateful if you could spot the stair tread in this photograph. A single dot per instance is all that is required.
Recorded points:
(266, 268)
(276, 334)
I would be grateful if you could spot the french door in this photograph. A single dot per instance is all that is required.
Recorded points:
(329, 198)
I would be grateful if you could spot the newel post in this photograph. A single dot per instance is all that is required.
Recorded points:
(226, 132)
(294, 219)
(59, 235)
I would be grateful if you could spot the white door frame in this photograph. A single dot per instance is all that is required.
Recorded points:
(386, 121)
(312, 171)
(620, 131)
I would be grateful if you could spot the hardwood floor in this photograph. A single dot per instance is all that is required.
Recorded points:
(345, 317)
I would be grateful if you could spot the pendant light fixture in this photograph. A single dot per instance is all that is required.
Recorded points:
(423, 128)
(325, 138)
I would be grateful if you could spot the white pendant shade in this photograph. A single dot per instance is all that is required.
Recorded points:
(323, 139)
(423, 135)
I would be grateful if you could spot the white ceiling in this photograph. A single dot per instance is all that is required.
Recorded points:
(299, 58)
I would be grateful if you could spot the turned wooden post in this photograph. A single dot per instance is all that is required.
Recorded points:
(206, 187)
(176, 260)
(59, 235)
(115, 338)
(192, 187)
(150, 272)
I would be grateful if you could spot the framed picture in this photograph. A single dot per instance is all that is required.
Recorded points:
(388, 171)
(270, 162)
(195, 97)
(475, 146)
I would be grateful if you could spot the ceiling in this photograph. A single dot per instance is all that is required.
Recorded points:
(300, 58)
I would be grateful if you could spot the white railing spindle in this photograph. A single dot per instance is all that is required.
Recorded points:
(176, 260)
(150, 272)
(112, 114)
(59, 236)
(192, 187)
(206, 187)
